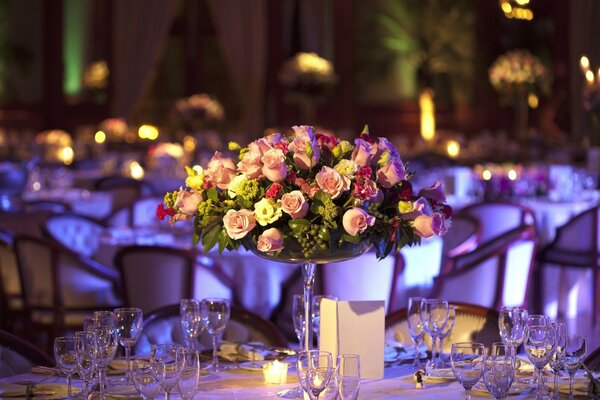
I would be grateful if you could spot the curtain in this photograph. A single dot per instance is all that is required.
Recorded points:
(316, 26)
(140, 28)
(241, 27)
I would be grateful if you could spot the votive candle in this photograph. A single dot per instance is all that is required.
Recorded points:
(275, 372)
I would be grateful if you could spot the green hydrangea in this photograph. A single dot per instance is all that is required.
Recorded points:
(170, 198)
(249, 190)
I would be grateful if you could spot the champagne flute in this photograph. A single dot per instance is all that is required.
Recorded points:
(167, 362)
(540, 341)
(191, 321)
(511, 324)
(415, 324)
(298, 317)
(215, 316)
(434, 314)
(467, 360)
(316, 313)
(86, 347)
(348, 376)
(575, 351)
(146, 379)
(446, 331)
(190, 374)
(499, 370)
(65, 356)
(129, 323)
(557, 359)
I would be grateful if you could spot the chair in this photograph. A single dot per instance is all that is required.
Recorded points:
(18, 356)
(154, 276)
(363, 278)
(11, 300)
(577, 245)
(463, 236)
(75, 232)
(141, 213)
(162, 326)
(60, 288)
(592, 361)
(125, 191)
(54, 206)
(494, 274)
(473, 324)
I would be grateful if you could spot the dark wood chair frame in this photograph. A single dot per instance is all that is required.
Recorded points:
(472, 240)
(29, 351)
(526, 212)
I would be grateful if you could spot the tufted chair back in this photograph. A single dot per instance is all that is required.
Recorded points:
(497, 218)
(18, 356)
(77, 233)
(463, 236)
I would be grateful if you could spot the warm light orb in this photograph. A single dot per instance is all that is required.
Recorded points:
(589, 76)
(136, 170)
(533, 100)
(100, 137)
(453, 148)
(427, 115)
(149, 132)
(506, 7)
(584, 62)
(66, 155)
(189, 143)
(486, 175)
(522, 2)
(36, 186)
(512, 174)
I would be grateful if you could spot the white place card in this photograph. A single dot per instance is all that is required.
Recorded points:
(355, 327)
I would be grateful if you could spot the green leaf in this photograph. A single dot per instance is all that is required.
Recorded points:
(351, 239)
(224, 240)
(210, 238)
(213, 195)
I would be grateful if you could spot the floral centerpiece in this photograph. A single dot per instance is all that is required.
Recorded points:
(199, 109)
(510, 181)
(591, 100)
(307, 192)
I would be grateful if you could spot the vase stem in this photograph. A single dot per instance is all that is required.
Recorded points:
(308, 279)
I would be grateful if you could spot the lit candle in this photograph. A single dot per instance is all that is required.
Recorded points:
(275, 372)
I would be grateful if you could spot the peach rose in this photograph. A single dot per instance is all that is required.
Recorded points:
(356, 220)
(260, 146)
(274, 167)
(434, 192)
(250, 165)
(429, 225)
(331, 182)
(391, 174)
(304, 140)
(220, 170)
(294, 204)
(270, 240)
(239, 223)
(187, 202)
(363, 152)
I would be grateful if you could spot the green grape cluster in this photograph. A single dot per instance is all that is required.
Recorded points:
(373, 209)
(311, 238)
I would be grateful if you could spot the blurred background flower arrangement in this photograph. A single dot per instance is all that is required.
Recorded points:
(518, 72)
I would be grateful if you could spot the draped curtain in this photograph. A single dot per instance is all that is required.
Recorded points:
(140, 28)
(316, 25)
(241, 27)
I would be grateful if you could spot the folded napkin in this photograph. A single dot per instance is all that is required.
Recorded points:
(395, 351)
(253, 351)
(55, 390)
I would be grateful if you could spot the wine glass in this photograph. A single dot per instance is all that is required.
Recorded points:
(314, 369)
(415, 324)
(86, 345)
(499, 369)
(316, 313)
(434, 314)
(540, 341)
(298, 317)
(537, 319)
(467, 360)
(129, 323)
(190, 374)
(446, 331)
(167, 362)
(146, 379)
(557, 359)
(575, 351)
(511, 324)
(348, 376)
(191, 321)
(65, 356)
(107, 343)
(215, 316)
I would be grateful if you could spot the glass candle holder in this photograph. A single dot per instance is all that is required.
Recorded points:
(275, 372)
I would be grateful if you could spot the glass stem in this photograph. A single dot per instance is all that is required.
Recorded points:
(434, 351)
(570, 385)
(555, 385)
(468, 393)
(215, 361)
(416, 360)
(127, 360)
(441, 347)
(308, 278)
(540, 392)
(69, 385)
(167, 394)
(86, 390)
(102, 383)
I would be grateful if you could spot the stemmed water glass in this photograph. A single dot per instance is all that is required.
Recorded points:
(65, 356)
(191, 321)
(316, 313)
(446, 331)
(215, 316)
(434, 314)
(415, 324)
(315, 369)
(146, 379)
(467, 360)
(557, 359)
(575, 351)
(499, 369)
(86, 346)
(167, 361)
(348, 376)
(128, 324)
(106, 340)
(190, 374)
(511, 324)
(540, 341)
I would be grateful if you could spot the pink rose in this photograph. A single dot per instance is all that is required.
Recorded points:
(391, 174)
(274, 138)
(250, 165)
(429, 225)
(435, 192)
(274, 167)
(356, 220)
(304, 140)
(363, 152)
(294, 204)
(270, 240)
(187, 202)
(239, 223)
(220, 170)
(260, 146)
(331, 182)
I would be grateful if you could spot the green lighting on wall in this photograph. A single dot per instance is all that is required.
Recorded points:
(73, 45)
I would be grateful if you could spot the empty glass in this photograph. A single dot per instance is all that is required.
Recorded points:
(511, 324)
(499, 370)
(106, 339)
(146, 378)
(316, 313)
(539, 344)
(575, 351)
(415, 324)
(190, 374)
(128, 324)
(557, 359)
(315, 369)
(467, 360)
(191, 321)
(65, 356)
(86, 358)
(348, 376)
(215, 316)
(537, 319)
(298, 317)
(445, 332)
(434, 314)
(167, 361)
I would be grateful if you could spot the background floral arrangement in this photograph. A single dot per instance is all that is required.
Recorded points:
(506, 181)
(198, 109)
(310, 191)
(518, 72)
(307, 73)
